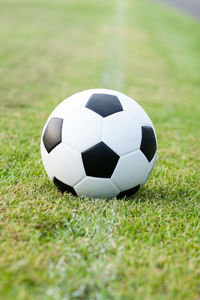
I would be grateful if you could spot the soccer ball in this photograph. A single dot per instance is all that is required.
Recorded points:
(99, 143)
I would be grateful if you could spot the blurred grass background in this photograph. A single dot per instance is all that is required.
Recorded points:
(55, 246)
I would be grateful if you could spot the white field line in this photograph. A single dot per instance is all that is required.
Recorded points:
(113, 75)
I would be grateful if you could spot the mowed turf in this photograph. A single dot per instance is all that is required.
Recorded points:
(55, 246)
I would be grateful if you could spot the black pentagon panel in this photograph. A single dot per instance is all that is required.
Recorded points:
(148, 143)
(128, 193)
(104, 105)
(64, 187)
(53, 134)
(99, 161)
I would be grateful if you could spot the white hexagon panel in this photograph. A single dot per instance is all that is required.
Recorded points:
(82, 129)
(97, 187)
(132, 107)
(46, 162)
(149, 170)
(130, 170)
(122, 133)
(66, 164)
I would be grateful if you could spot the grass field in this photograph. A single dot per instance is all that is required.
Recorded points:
(55, 246)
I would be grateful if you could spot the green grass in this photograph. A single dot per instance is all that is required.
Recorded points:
(55, 246)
